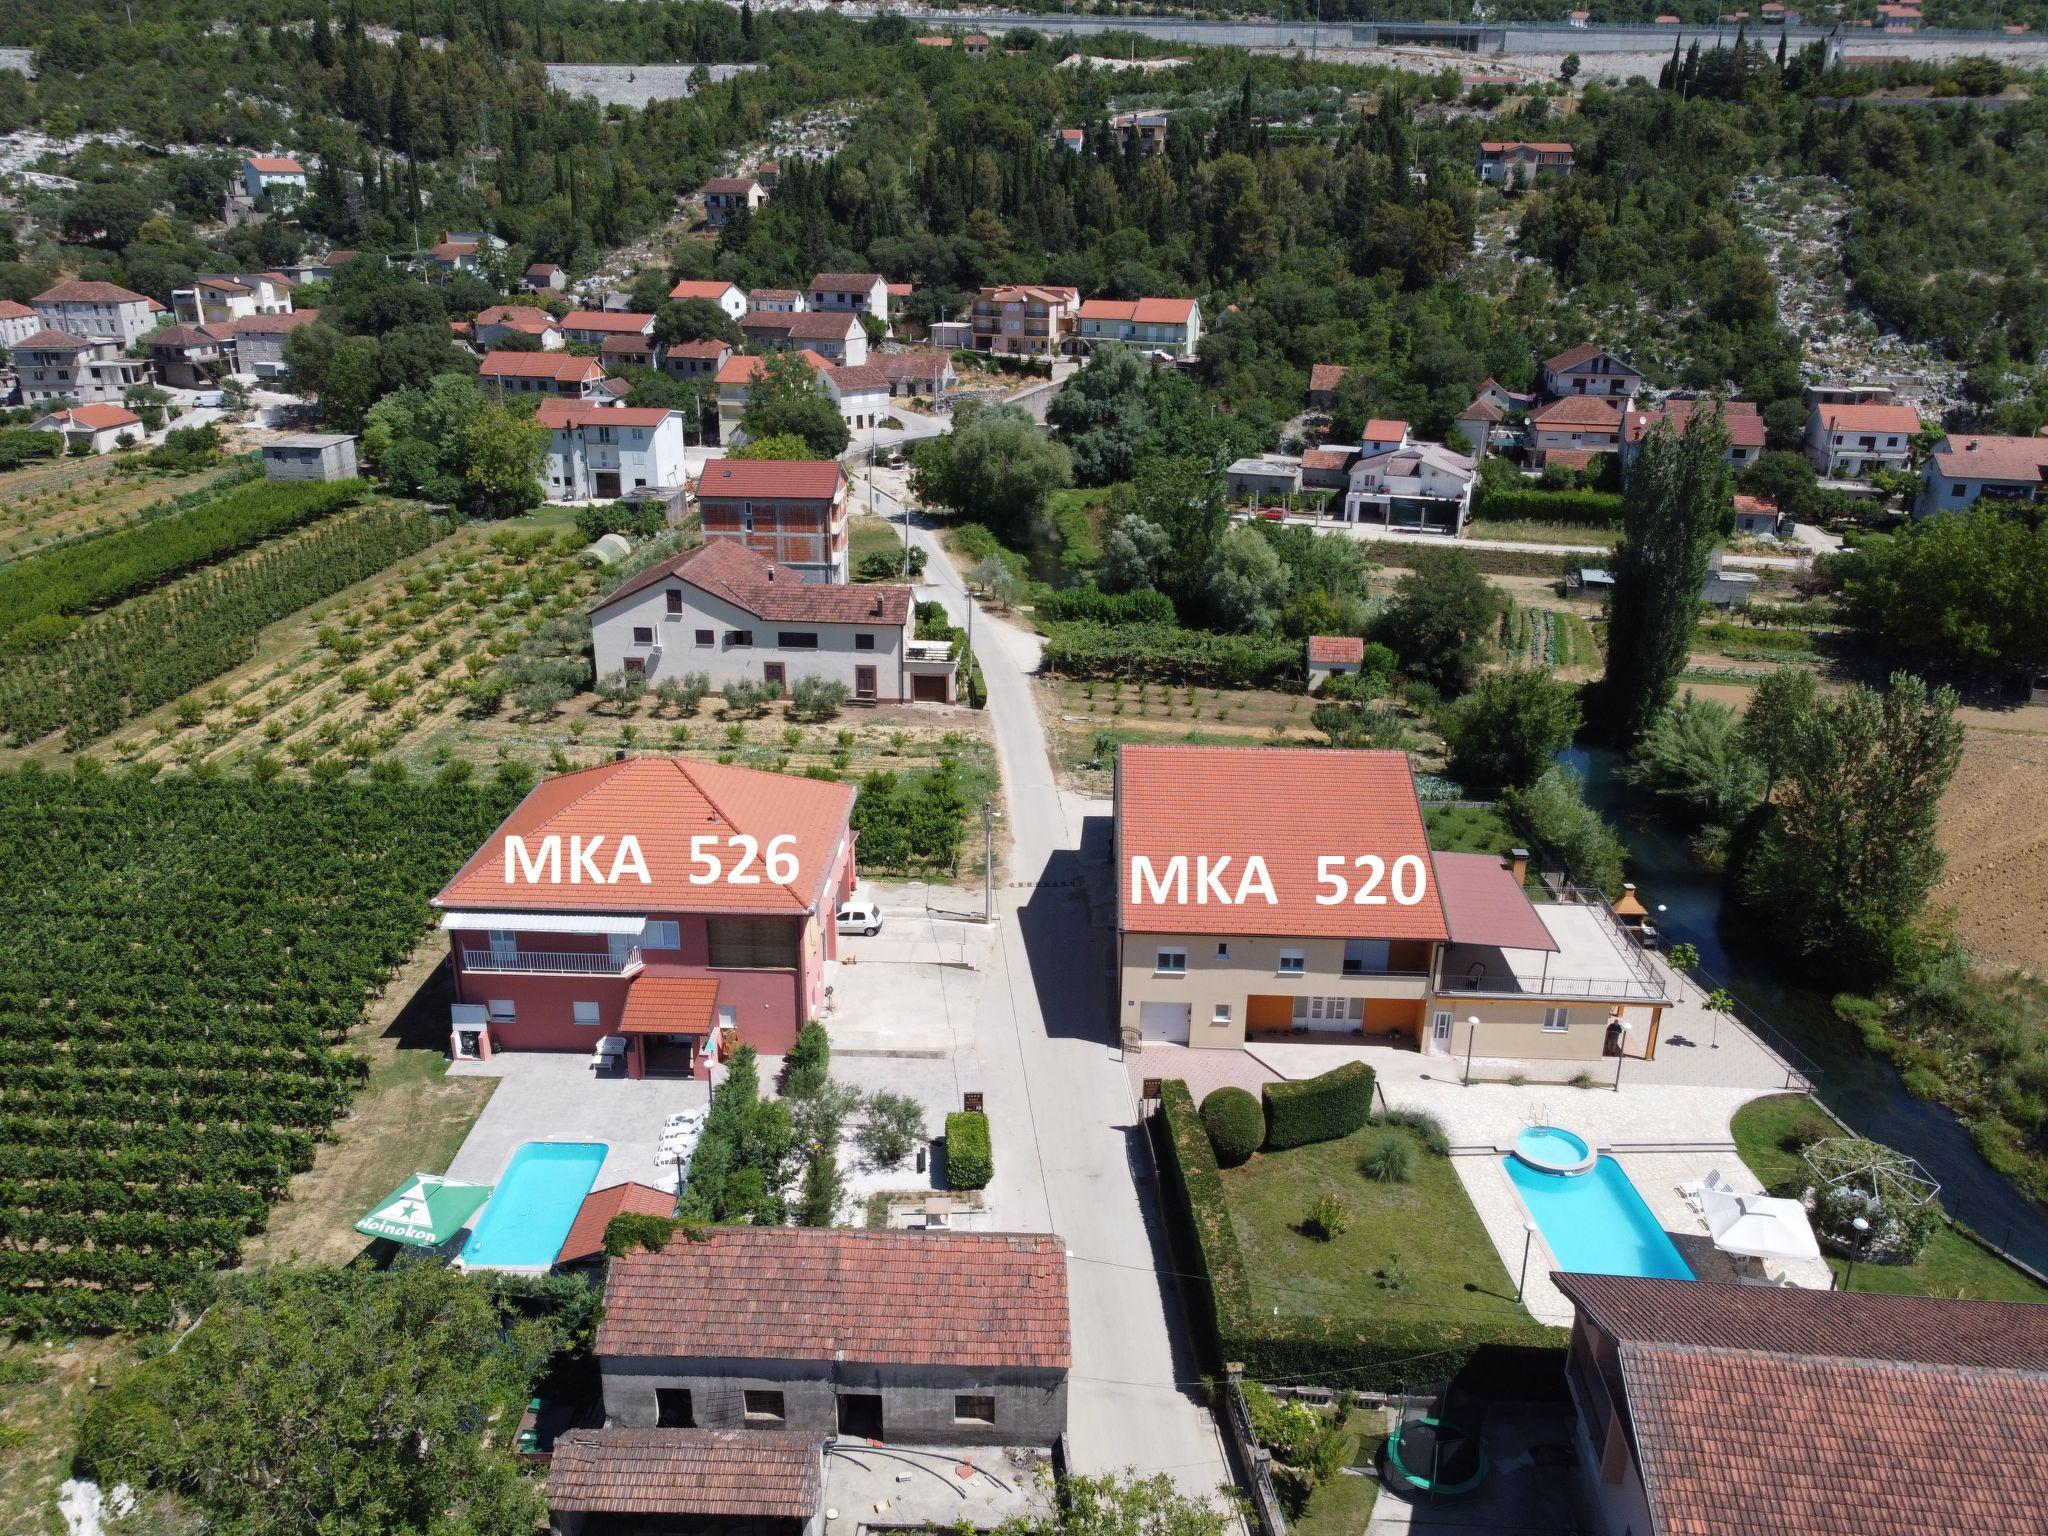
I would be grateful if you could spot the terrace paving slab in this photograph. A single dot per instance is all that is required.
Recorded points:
(556, 1096)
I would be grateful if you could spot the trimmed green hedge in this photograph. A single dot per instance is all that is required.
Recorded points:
(1235, 1123)
(1509, 1359)
(1093, 605)
(970, 1160)
(1158, 653)
(1318, 1108)
(1590, 509)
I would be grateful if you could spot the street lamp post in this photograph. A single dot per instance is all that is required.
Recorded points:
(1528, 1241)
(1862, 1227)
(1621, 1055)
(1471, 1033)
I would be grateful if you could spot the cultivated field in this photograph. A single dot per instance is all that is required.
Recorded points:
(1996, 838)
(60, 499)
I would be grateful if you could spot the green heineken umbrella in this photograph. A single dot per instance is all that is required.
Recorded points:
(426, 1210)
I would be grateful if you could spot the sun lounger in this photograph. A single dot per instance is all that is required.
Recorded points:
(1696, 1191)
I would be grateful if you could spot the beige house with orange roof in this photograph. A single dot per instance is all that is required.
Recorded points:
(1968, 467)
(1250, 911)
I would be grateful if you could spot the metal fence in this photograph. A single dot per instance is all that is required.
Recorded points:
(1252, 1457)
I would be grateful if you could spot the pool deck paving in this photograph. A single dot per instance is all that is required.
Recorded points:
(557, 1096)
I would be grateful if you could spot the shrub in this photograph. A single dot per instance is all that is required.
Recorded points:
(816, 698)
(1427, 1128)
(1320, 1108)
(1390, 1159)
(1163, 653)
(1235, 1123)
(808, 1061)
(970, 1159)
(1554, 814)
(1093, 605)
(1805, 1131)
(1328, 1219)
(631, 1231)
(890, 1126)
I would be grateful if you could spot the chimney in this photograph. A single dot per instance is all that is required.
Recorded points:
(619, 756)
(1518, 861)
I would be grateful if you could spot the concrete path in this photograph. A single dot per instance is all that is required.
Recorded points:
(555, 1096)
(1369, 533)
(1068, 1153)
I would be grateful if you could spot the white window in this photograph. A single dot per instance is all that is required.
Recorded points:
(1222, 951)
(502, 1011)
(1221, 1015)
(1293, 962)
(1170, 962)
(1555, 1020)
(660, 934)
(619, 945)
(586, 1014)
(504, 943)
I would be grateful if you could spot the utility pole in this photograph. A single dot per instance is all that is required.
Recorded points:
(988, 862)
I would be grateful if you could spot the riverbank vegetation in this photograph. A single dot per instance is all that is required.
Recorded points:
(1769, 1135)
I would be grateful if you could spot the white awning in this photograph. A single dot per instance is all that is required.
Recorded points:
(542, 922)
(1760, 1226)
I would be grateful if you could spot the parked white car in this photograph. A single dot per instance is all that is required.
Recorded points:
(859, 914)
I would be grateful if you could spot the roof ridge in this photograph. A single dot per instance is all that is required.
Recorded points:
(1858, 1362)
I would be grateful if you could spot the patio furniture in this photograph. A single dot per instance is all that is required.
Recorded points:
(1695, 1191)
(610, 1049)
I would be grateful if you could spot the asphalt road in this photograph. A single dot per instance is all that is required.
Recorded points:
(1068, 1153)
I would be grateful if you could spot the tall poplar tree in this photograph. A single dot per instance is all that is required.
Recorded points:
(1675, 508)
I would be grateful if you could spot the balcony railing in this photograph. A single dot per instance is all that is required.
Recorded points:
(552, 962)
(928, 650)
(1606, 988)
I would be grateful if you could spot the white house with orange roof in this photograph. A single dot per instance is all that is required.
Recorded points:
(603, 452)
(1249, 910)
(1740, 419)
(222, 298)
(95, 311)
(501, 320)
(1855, 439)
(543, 373)
(1169, 326)
(1506, 161)
(1575, 424)
(729, 297)
(667, 904)
(737, 616)
(593, 327)
(100, 427)
(272, 173)
(1968, 467)
(735, 379)
(17, 323)
(1590, 369)
(723, 194)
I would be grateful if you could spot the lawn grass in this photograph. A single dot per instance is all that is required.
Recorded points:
(1519, 532)
(869, 536)
(411, 1117)
(1343, 1505)
(1952, 1266)
(1468, 829)
(1414, 1249)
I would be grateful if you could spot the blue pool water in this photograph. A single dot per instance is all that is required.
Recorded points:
(530, 1212)
(1596, 1223)
(1553, 1150)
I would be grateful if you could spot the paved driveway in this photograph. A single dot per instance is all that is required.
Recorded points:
(555, 1096)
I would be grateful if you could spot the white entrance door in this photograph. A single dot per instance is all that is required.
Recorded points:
(1439, 1034)
(1164, 1021)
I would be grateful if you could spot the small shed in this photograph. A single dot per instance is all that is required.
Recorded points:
(1724, 588)
(310, 456)
(1329, 655)
(1264, 475)
(1757, 517)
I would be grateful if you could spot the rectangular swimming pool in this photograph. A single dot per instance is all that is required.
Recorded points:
(1596, 1223)
(536, 1200)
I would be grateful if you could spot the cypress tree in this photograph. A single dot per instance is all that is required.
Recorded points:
(1675, 508)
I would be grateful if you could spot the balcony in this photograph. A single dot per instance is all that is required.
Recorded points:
(928, 651)
(552, 962)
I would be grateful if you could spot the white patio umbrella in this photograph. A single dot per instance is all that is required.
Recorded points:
(1759, 1226)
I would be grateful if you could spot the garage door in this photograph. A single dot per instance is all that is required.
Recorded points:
(1164, 1021)
(928, 688)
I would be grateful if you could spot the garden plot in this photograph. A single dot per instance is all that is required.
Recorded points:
(1799, 221)
(62, 499)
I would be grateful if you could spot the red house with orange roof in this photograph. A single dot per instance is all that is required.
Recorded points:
(676, 906)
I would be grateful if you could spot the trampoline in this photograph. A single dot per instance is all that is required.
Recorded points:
(1437, 1449)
